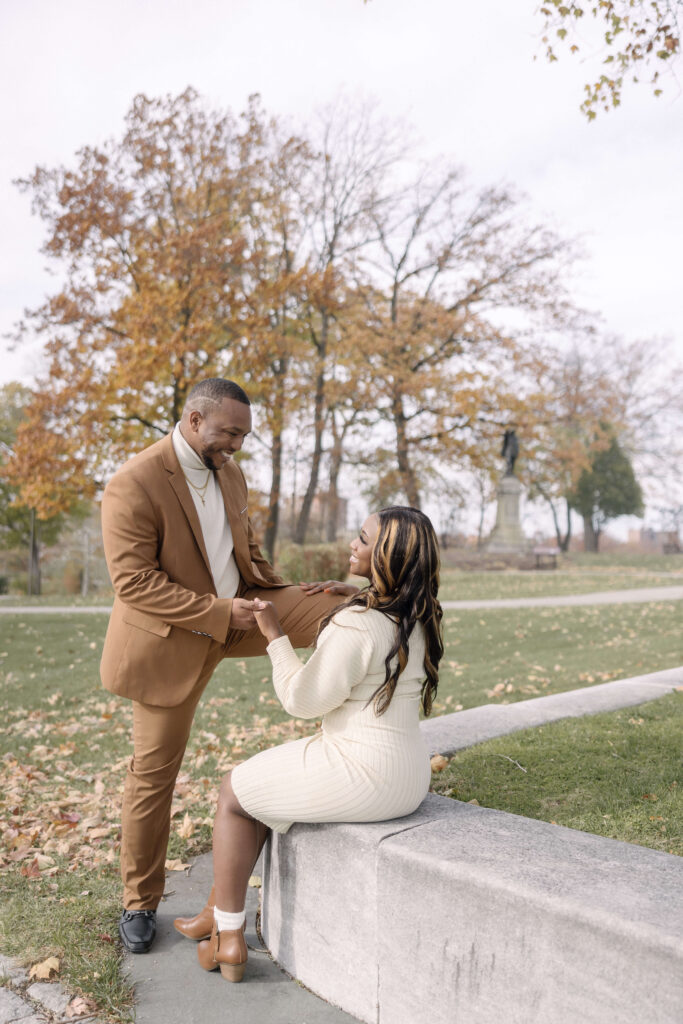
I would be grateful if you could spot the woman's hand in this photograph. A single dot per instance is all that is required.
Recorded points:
(329, 587)
(266, 619)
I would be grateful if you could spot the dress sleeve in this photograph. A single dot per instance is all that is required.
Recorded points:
(323, 683)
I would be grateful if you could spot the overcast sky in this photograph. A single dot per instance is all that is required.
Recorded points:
(463, 74)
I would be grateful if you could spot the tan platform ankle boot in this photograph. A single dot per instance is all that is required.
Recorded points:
(199, 926)
(225, 950)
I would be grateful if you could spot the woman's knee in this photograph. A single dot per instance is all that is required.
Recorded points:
(227, 799)
(226, 796)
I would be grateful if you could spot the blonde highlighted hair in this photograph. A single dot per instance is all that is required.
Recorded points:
(404, 586)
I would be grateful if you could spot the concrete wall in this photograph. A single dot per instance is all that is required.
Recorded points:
(466, 915)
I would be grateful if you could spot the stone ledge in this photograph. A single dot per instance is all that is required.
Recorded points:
(461, 913)
(449, 733)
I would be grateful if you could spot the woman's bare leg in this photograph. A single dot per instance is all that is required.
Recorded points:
(237, 842)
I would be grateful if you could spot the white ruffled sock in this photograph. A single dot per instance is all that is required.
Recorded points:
(227, 922)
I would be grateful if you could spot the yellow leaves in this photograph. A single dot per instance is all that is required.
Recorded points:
(176, 865)
(499, 689)
(45, 970)
(186, 830)
(438, 762)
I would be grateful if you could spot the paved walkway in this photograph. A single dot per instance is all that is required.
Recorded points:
(637, 596)
(634, 596)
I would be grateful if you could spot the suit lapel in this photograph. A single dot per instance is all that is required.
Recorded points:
(179, 484)
(237, 518)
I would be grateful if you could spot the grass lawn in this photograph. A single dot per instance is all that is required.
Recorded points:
(631, 561)
(616, 775)
(458, 585)
(511, 654)
(102, 599)
(65, 742)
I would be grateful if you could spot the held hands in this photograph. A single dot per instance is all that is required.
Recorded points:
(329, 587)
(266, 619)
(242, 614)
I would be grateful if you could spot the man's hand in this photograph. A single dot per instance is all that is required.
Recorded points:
(329, 587)
(242, 614)
(267, 620)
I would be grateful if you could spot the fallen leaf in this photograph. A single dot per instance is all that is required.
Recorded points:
(30, 870)
(47, 969)
(176, 865)
(438, 762)
(186, 830)
(80, 1006)
(99, 833)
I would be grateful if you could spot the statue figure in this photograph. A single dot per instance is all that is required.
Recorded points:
(510, 451)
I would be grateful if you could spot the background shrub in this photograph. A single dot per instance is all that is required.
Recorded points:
(302, 562)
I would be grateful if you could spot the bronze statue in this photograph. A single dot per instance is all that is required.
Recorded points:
(510, 451)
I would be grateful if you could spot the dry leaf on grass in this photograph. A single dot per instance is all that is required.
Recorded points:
(47, 969)
(186, 830)
(80, 1006)
(438, 762)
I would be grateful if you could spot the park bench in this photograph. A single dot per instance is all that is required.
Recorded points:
(546, 557)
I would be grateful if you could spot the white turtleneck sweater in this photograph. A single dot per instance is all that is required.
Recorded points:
(213, 518)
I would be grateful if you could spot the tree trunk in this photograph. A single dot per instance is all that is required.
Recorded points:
(319, 423)
(556, 521)
(564, 544)
(480, 526)
(85, 575)
(590, 536)
(34, 583)
(405, 470)
(333, 493)
(273, 522)
(277, 418)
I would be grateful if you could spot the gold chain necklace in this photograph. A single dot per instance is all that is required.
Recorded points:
(201, 491)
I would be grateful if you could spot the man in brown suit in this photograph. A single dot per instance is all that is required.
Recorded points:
(185, 568)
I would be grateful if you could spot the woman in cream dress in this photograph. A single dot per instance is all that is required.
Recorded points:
(374, 665)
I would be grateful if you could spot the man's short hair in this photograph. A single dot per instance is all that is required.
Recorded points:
(211, 392)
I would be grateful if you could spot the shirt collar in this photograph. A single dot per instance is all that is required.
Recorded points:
(187, 456)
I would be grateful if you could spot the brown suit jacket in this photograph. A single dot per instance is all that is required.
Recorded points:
(166, 611)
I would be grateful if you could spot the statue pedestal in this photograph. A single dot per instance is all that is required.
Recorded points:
(507, 535)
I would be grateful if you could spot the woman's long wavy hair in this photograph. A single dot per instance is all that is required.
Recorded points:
(404, 586)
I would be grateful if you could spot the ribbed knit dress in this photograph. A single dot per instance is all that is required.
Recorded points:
(360, 766)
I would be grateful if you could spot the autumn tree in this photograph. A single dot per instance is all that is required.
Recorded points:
(319, 269)
(151, 231)
(607, 488)
(356, 156)
(449, 270)
(577, 388)
(638, 37)
(274, 360)
(20, 527)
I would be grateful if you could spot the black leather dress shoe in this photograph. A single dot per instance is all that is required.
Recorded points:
(137, 929)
